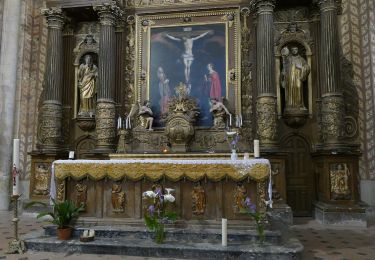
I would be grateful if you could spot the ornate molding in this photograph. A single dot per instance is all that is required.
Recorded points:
(108, 13)
(263, 6)
(329, 5)
(55, 17)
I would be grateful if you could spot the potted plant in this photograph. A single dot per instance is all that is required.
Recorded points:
(63, 215)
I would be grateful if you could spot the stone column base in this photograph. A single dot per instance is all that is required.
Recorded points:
(105, 126)
(281, 211)
(353, 215)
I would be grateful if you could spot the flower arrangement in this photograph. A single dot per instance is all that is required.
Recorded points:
(155, 214)
(250, 209)
(233, 138)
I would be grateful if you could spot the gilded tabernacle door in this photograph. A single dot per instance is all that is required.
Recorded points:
(196, 50)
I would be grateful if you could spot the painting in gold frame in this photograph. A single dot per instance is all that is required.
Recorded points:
(198, 49)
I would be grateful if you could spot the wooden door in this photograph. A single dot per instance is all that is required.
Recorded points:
(299, 176)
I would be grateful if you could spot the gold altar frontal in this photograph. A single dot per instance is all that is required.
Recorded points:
(207, 187)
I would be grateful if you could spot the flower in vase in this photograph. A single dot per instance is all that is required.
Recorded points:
(149, 194)
(169, 190)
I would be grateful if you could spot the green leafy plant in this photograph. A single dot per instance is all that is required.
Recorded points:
(63, 213)
(249, 208)
(156, 215)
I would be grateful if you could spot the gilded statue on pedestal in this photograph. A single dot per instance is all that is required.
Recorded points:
(219, 112)
(294, 73)
(198, 200)
(339, 177)
(87, 84)
(118, 198)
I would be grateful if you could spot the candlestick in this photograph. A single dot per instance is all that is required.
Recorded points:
(224, 232)
(230, 119)
(256, 149)
(16, 245)
(16, 165)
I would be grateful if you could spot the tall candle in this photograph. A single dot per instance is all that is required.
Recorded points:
(230, 119)
(224, 232)
(256, 149)
(16, 165)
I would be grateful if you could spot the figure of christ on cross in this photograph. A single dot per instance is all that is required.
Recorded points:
(188, 56)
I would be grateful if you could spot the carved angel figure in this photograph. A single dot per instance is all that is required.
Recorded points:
(219, 112)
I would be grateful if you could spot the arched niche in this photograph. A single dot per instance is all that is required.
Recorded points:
(294, 37)
(88, 46)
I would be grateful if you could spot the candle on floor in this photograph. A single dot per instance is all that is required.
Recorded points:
(256, 149)
(224, 234)
(246, 156)
(16, 165)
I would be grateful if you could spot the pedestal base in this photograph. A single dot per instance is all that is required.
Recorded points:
(16, 247)
(340, 214)
(281, 211)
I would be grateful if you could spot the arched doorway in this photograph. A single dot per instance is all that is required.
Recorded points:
(299, 175)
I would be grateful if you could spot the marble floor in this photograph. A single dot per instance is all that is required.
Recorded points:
(320, 242)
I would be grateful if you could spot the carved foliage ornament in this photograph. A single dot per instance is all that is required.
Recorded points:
(50, 126)
(266, 119)
(55, 17)
(105, 123)
(41, 179)
(332, 118)
(109, 13)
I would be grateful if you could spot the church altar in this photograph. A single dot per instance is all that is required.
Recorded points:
(114, 188)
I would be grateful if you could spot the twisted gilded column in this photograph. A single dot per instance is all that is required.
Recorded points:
(105, 106)
(332, 111)
(266, 113)
(50, 134)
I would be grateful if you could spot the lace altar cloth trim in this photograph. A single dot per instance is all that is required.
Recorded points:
(156, 169)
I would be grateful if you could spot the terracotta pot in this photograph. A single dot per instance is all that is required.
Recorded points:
(64, 233)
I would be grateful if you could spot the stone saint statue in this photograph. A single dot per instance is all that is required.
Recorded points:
(219, 112)
(87, 76)
(146, 115)
(295, 71)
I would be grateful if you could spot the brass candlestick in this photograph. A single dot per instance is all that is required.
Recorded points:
(16, 245)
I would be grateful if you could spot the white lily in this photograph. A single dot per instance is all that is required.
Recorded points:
(169, 190)
(169, 198)
(231, 133)
(149, 194)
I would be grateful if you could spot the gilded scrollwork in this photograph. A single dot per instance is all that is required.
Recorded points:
(198, 200)
(105, 124)
(130, 62)
(332, 118)
(266, 119)
(340, 181)
(118, 198)
(261, 201)
(50, 132)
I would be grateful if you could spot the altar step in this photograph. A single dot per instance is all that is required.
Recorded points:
(180, 243)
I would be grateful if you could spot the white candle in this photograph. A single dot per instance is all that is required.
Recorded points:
(16, 165)
(85, 233)
(130, 123)
(71, 155)
(240, 120)
(246, 156)
(126, 123)
(256, 149)
(230, 119)
(224, 232)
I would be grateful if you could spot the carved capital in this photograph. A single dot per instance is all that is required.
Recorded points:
(329, 5)
(55, 17)
(108, 13)
(263, 6)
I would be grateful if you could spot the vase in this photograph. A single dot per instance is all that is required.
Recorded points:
(234, 155)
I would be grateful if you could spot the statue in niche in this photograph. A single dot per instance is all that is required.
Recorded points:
(118, 198)
(219, 112)
(294, 73)
(87, 83)
(339, 176)
(146, 115)
(198, 200)
(41, 180)
(81, 194)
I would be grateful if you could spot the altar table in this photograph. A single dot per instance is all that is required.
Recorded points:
(219, 176)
